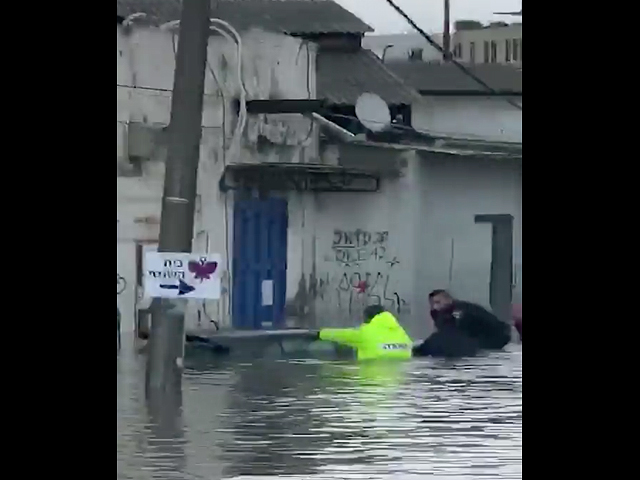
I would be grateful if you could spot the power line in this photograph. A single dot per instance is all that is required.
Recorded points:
(438, 47)
(146, 89)
(156, 90)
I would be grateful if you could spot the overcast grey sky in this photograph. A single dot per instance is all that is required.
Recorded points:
(428, 14)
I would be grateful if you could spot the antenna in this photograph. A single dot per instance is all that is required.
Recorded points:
(373, 112)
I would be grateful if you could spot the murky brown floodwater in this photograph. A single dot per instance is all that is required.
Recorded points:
(311, 421)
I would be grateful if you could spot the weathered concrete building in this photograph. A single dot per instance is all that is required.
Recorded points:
(273, 68)
(454, 104)
(311, 229)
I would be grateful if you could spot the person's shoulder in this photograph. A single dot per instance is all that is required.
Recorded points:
(466, 306)
(473, 309)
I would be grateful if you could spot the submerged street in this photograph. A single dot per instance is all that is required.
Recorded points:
(314, 420)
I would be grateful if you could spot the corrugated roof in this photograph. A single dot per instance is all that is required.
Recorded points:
(344, 76)
(294, 17)
(428, 77)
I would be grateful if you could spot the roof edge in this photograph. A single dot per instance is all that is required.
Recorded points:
(470, 93)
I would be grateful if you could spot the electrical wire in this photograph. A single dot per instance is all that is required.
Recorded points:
(305, 44)
(243, 114)
(438, 47)
(147, 89)
(243, 108)
(233, 36)
(150, 89)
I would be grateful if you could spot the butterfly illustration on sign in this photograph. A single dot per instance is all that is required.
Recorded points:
(203, 270)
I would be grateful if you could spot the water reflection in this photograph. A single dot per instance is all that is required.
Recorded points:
(314, 420)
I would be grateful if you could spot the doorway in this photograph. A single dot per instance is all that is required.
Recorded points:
(260, 252)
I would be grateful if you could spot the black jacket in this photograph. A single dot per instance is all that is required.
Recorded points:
(463, 331)
(448, 342)
(477, 323)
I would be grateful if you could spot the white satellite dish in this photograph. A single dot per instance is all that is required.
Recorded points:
(373, 112)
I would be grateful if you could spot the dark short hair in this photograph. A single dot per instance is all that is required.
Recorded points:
(437, 293)
(373, 311)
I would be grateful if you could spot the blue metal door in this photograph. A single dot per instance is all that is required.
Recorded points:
(260, 263)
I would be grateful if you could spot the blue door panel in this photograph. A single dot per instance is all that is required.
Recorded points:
(260, 255)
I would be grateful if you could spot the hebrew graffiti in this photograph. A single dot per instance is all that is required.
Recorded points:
(352, 291)
(359, 246)
(361, 272)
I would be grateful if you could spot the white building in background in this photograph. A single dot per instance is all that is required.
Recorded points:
(472, 42)
(498, 43)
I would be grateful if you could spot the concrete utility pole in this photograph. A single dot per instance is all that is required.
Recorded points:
(448, 40)
(166, 343)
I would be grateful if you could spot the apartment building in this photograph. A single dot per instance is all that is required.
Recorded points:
(403, 46)
(473, 43)
(498, 43)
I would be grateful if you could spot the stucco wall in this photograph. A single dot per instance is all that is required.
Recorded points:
(416, 235)
(357, 249)
(275, 66)
(457, 251)
(345, 250)
(489, 118)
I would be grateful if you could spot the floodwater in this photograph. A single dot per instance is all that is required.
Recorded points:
(308, 420)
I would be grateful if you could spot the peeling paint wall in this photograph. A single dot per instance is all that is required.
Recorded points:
(365, 250)
(345, 250)
(394, 247)
(275, 67)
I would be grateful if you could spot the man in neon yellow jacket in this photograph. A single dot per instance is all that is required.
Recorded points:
(381, 337)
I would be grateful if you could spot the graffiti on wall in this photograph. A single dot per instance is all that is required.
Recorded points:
(357, 247)
(364, 273)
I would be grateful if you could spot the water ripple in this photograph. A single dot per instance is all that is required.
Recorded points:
(311, 420)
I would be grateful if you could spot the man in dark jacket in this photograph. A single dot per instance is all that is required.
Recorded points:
(473, 320)
(447, 342)
(463, 329)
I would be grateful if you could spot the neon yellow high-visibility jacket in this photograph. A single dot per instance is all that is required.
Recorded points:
(382, 338)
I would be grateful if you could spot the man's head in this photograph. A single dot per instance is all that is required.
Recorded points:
(372, 312)
(440, 300)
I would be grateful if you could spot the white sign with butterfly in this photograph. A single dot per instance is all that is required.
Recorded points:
(182, 275)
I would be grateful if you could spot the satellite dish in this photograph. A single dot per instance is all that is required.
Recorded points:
(373, 112)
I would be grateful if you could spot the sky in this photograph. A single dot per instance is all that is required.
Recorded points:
(428, 14)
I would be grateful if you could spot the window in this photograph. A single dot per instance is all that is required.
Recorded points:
(516, 51)
(521, 54)
(487, 52)
(472, 52)
(508, 53)
(494, 52)
(458, 51)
